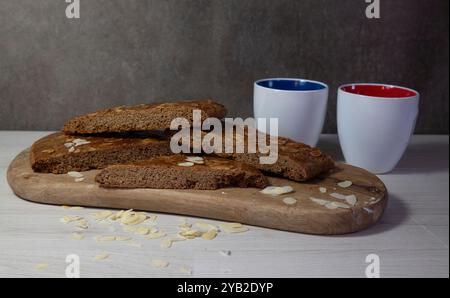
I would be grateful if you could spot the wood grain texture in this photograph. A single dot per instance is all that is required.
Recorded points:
(247, 205)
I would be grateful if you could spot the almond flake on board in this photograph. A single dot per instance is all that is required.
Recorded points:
(75, 174)
(323, 189)
(79, 142)
(166, 243)
(71, 149)
(195, 159)
(345, 184)
(319, 201)
(186, 164)
(351, 200)
(335, 205)
(69, 144)
(79, 179)
(190, 234)
(338, 196)
(289, 200)
(368, 210)
(82, 224)
(77, 236)
(160, 263)
(276, 190)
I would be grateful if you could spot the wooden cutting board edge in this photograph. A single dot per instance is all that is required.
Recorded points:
(247, 206)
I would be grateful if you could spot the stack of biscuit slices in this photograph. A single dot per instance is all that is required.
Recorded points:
(131, 146)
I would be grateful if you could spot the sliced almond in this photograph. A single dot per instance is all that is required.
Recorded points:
(210, 235)
(70, 218)
(289, 201)
(185, 270)
(337, 205)
(319, 201)
(142, 231)
(155, 235)
(79, 179)
(102, 215)
(77, 236)
(338, 196)
(345, 184)
(69, 144)
(75, 174)
(205, 226)
(186, 164)
(351, 200)
(122, 238)
(276, 191)
(166, 243)
(323, 189)
(160, 263)
(101, 256)
(105, 238)
(41, 266)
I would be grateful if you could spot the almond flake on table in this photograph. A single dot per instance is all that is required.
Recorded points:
(101, 215)
(79, 179)
(203, 226)
(101, 256)
(210, 235)
(70, 218)
(160, 263)
(345, 184)
(323, 189)
(41, 266)
(185, 270)
(77, 236)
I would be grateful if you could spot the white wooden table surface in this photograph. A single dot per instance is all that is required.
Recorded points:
(412, 239)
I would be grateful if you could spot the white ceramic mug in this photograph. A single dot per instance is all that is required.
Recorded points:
(300, 106)
(375, 123)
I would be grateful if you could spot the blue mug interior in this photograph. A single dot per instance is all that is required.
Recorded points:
(291, 85)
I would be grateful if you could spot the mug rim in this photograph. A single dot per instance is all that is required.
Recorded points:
(412, 97)
(325, 86)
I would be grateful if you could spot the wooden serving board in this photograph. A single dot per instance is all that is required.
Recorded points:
(244, 205)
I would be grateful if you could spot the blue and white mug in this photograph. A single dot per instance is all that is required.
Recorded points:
(300, 106)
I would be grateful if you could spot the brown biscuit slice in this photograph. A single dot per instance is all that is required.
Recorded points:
(177, 172)
(296, 161)
(59, 153)
(155, 116)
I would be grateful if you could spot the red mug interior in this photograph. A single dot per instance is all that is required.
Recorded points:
(384, 91)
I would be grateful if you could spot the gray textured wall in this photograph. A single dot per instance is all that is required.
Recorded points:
(134, 51)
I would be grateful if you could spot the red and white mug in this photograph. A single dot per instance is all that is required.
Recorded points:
(375, 123)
